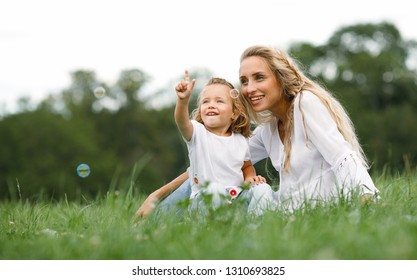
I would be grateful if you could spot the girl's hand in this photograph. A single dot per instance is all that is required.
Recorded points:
(185, 87)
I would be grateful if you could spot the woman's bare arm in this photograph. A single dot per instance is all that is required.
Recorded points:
(154, 198)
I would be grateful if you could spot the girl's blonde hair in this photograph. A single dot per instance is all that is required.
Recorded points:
(241, 124)
(293, 82)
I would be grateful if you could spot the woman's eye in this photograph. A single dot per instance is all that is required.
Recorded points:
(243, 81)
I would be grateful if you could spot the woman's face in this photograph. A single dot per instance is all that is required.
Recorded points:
(259, 84)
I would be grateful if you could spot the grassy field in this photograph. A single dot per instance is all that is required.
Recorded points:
(103, 230)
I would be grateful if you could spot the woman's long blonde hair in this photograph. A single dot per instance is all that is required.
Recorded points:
(241, 124)
(293, 82)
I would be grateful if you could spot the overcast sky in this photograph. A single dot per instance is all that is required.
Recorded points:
(43, 41)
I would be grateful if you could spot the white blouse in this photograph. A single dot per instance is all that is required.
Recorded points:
(321, 168)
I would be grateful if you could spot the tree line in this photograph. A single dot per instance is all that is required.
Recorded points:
(128, 142)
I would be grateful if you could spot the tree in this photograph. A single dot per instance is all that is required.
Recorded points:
(41, 151)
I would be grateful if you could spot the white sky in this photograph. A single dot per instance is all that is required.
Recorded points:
(43, 41)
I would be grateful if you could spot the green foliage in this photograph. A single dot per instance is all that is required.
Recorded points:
(41, 152)
(103, 229)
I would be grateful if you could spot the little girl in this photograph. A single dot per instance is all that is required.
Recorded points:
(217, 140)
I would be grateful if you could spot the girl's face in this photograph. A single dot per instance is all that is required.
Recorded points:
(259, 84)
(216, 107)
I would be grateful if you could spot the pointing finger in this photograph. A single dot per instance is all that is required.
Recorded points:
(187, 77)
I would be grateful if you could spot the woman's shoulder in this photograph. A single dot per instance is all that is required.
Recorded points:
(306, 97)
(307, 100)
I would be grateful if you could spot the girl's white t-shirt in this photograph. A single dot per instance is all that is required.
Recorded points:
(215, 159)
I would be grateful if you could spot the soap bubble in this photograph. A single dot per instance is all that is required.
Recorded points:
(234, 93)
(99, 92)
(83, 170)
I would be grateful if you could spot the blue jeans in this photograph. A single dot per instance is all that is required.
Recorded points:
(177, 196)
(256, 199)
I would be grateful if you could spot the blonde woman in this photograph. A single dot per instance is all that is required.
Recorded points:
(303, 129)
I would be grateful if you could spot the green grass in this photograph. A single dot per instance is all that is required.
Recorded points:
(103, 230)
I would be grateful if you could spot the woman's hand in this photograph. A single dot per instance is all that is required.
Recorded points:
(147, 207)
(150, 203)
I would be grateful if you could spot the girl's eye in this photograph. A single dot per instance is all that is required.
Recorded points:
(243, 81)
(259, 77)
